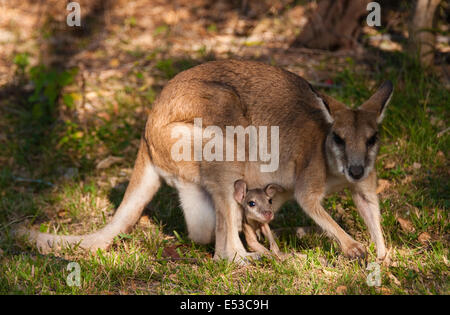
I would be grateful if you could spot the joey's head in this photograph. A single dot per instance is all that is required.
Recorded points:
(257, 203)
(352, 142)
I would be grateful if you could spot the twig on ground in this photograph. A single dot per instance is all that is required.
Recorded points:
(30, 180)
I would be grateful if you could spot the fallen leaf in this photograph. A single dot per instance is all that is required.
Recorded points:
(407, 179)
(340, 210)
(109, 161)
(406, 225)
(171, 252)
(342, 289)
(389, 165)
(416, 165)
(91, 95)
(144, 221)
(104, 115)
(384, 290)
(114, 63)
(394, 279)
(62, 213)
(383, 184)
(424, 238)
(328, 272)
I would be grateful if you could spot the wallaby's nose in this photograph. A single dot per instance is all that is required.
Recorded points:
(356, 171)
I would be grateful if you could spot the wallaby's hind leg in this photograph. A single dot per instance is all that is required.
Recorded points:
(228, 244)
(198, 212)
(144, 183)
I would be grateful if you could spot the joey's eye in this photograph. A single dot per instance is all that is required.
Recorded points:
(270, 201)
(251, 203)
(372, 140)
(338, 139)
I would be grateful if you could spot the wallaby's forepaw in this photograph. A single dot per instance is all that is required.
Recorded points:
(355, 250)
(384, 259)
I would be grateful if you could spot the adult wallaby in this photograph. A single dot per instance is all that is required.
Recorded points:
(323, 147)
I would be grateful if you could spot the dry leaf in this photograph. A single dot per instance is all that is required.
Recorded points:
(416, 165)
(383, 184)
(394, 279)
(340, 210)
(328, 272)
(342, 289)
(406, 225)
(171, 252)
(144, 221)
(424, 238)
(407, 179)
(389, 165)
(384, 290)
(114, 63)
(104, 115)
(62, 213)
(110, 160)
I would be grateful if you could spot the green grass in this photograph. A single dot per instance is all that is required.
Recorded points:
(136, 262)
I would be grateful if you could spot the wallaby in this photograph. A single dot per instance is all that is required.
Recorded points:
(258, 212)
(324, 146)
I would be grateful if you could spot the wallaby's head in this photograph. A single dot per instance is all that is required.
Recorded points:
(257, 203)
(352, 142)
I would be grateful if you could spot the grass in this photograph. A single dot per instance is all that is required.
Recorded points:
(413, 160)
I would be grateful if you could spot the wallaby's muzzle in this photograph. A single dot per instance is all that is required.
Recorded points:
(356, 171)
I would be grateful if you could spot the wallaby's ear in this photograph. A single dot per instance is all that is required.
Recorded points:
(378, 101)
(240, 190)
(327, 105)
(272, 189)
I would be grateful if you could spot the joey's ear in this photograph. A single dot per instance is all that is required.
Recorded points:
(272, 189)
(327, 105)
(240, 190)
(378, 101)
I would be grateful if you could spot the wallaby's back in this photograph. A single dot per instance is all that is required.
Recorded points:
(232, 92)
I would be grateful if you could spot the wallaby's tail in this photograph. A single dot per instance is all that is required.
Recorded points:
(144, 183)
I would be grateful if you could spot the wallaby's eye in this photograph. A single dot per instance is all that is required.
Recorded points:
(338, 139)
(270, 201)
(372, 140)
(251, 203)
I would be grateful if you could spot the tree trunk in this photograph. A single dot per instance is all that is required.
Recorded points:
(335, 24)
(421, 38)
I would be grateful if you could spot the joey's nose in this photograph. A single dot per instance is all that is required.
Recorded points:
(268, 215)
(356, 171)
